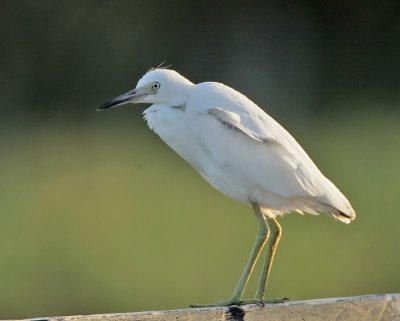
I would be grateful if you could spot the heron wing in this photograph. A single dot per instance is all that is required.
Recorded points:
(289, 171)
(233, 121)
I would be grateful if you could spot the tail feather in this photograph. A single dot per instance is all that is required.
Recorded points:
(343, 217)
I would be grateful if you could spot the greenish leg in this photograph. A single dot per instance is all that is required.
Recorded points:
(261, 239)
(275, 236)
(275, 232)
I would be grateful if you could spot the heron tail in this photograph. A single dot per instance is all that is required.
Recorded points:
(343, 217)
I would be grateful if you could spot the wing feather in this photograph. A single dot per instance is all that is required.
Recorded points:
(294, 173)
(233, 121)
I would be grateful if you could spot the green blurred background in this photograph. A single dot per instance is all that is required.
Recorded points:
(98, 215)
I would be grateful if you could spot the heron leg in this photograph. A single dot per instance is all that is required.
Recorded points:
(262, 237)
(259, 243)
(275, 235)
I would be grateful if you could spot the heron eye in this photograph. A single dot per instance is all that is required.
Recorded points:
(156, 85)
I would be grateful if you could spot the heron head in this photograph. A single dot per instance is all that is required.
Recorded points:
(157, 86)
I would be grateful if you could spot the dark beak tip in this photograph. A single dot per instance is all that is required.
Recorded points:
(102, 107)
(108, 104)
(120, 100)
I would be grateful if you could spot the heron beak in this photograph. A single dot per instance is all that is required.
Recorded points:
(132, 96)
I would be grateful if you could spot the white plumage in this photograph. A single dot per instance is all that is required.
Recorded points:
(242, 152)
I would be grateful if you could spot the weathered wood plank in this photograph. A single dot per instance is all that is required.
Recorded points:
(378, 307)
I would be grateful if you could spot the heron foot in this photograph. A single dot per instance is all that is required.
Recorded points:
(223, 303)
(234, 301)
(263, 302)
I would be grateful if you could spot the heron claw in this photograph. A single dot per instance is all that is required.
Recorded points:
(263, 302)
(223, 303)
(231, 301)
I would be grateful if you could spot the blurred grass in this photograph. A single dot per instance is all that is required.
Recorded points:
(99, 218)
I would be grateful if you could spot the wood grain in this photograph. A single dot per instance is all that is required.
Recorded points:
(377, 307)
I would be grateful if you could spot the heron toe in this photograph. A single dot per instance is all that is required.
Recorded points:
(232, 301)
(223, 303)
(263, 302)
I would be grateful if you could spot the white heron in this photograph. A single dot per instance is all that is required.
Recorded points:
(242, 152)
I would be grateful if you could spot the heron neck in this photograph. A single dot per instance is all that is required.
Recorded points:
(184, 94)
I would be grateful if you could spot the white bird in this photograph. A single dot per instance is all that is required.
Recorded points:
(241, 151)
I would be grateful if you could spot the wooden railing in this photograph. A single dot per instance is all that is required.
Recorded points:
(378, 307)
